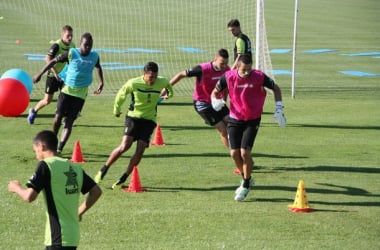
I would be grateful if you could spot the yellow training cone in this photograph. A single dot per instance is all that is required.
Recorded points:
(300, 204)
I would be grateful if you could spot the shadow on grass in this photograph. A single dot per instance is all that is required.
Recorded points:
(335, 190)
(45, 116)
(186, 127)
(173, 155)
(350, 191)
(98, 126)
(368, 170)
(313, 203)
(176, 103)
(333, 126)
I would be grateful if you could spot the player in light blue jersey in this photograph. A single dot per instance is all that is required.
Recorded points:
(81, 63)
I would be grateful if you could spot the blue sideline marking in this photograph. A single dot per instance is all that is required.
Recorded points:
(142, 50)
(318, 51)
(111, 63)
(363, 54)
(123, 67)
(280, 51)
(191, 50)
(129, 50)
(35, 57)
(280, 72)
(358, 73)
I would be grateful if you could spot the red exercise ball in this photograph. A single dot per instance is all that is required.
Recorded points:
(14, 97)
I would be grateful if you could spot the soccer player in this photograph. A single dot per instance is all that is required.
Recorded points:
(81, 63)
(242, 42)
(140, 120)
(207, 75)
(247, 96)
(53, 80)
(61, 183)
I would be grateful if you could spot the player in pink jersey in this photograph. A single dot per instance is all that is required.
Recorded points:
(247, 96)
(207, 75)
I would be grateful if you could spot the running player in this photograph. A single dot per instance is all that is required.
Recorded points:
(140, 120)
(54, 82)
(247, 96)
(82, 62)
(207, 75)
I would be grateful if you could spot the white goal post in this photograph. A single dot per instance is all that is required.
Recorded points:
(262, 56)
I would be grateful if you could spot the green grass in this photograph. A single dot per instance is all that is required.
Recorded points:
(331, 142)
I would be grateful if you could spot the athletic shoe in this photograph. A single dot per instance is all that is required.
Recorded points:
(117, 185)
(59, 153)
(251, 183)
(98, 177)
(243, 192)
(31, 116)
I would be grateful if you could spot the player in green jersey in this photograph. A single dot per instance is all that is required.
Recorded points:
(54, 82)
(242, 42)
(140, 120)
(61, 182)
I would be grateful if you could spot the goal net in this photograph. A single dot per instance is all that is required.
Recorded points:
(263, 59)
(175, 34)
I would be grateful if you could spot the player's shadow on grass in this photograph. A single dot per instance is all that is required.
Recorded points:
(179, 189)
(176, 103)
(344, 190)
(185, 127)
(37, 100)
(334, 126)
(226, 155)
(98, 126)
(358, 169)
(42, 116)
(314, 203)
(90, 157)
(332, 190)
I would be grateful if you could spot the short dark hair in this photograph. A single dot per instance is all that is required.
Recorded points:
(47, 138)
(151, 66)
(233, 23)
(223, 53)
(67, 28)
(86, 35)
(245, 58)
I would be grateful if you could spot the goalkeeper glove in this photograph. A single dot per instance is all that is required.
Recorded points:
(217, 104)
(279, 116)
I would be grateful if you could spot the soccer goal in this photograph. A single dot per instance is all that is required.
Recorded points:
(175, 34)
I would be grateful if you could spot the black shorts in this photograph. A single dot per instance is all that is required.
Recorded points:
(69, 106)
(60, 248)
(209, 115)
(242, 134)
(52, 85)
(138, 128)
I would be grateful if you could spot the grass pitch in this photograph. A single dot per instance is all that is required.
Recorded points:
(331, 142)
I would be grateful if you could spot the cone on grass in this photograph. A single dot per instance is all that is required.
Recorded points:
(300, 204)
(135, 183)
(237, 171)
(77, 153)
(158, 140)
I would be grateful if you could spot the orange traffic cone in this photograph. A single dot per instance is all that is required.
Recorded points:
(300, 204)
(158, 140)
(77, 153)
(135, 184)
(237, 171)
